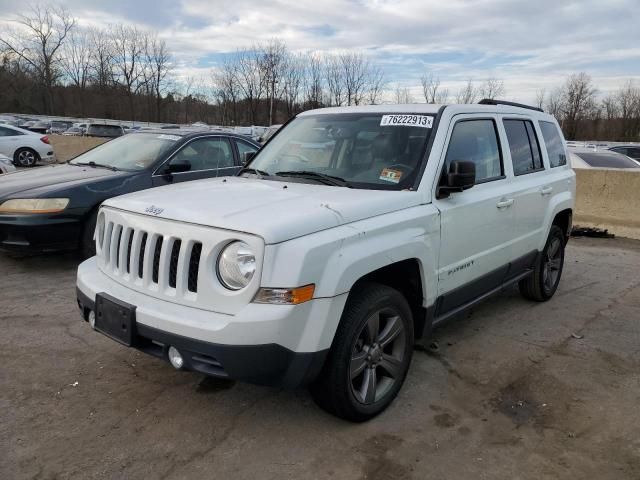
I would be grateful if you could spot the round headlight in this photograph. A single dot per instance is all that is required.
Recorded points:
(236, 265)
(100, 229)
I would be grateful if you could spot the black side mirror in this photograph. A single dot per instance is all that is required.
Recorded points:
(178, 167)
(247, 157)
(461, 176)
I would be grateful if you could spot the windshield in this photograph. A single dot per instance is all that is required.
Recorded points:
(133, 152)
(371, 151)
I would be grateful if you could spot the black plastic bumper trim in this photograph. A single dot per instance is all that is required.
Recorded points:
(267, 364)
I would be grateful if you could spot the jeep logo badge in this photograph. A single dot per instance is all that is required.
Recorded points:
(153, 210)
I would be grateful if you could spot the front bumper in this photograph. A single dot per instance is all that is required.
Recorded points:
(263, 344)
(39, 233)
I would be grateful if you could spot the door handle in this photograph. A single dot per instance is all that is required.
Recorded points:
(505, 203)
(546, 191)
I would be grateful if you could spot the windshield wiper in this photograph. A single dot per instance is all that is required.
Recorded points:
(253, 170)
(323, 177)
(96, 165)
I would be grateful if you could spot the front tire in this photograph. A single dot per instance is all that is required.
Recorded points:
(543, 283)
(370, 355)
(25, 157)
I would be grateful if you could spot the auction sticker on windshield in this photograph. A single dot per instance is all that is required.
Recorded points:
(390, 175)
(423, 121)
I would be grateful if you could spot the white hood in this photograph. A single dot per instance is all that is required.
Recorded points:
(276, 211)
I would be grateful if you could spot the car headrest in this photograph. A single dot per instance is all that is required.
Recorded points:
(381, 146)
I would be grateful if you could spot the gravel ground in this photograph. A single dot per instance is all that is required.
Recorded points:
(517, 390)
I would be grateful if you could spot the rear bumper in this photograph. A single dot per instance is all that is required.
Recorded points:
(257, 345)
(38, 233)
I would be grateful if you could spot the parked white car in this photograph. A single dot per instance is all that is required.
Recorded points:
(324, 266)
(25, 148)
(6, 165)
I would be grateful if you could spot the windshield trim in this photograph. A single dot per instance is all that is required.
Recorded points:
(426, 151)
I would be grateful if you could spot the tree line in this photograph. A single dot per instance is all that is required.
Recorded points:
(50, 65)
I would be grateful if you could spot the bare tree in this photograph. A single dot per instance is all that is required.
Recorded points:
(313, 81)
(403, 95)
(156, 69)
(293, 82)
(376, 84)
(467, 94)
(554, 103)
(76, 62)
(541, 96)
(335, 80)
(227, 92)
(355, 69)
(492, 88)
(628, 103)
(251, 79)
(578, 101)
(273, 64)
(128, 45)
(102, 55)
(38, 42)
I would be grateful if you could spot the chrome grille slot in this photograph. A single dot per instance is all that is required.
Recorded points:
(194, 266)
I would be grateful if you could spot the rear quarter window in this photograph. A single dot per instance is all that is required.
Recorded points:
(553, 143)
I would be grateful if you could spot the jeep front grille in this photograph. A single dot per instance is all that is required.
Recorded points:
(154, 257)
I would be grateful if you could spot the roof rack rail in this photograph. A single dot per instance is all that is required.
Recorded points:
(490, 101)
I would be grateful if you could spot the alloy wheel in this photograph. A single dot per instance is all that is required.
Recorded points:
(26, 158)
(377, 356)
(552, 265)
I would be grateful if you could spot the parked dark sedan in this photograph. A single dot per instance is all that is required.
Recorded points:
(55, 207)
(632, 150)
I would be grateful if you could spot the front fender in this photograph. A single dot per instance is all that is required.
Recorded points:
(336, 258)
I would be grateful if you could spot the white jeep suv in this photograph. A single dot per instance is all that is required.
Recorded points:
(350, 235)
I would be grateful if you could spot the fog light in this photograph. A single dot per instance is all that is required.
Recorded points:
(92, 319)
(175, 358)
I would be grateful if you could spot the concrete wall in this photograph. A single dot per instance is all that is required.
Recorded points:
(609, 199)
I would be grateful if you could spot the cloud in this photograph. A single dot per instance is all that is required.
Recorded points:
(527, 44)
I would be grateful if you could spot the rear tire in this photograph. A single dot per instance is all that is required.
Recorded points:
(25, 157)
(87, 243)
(543, 283)
(370, 355)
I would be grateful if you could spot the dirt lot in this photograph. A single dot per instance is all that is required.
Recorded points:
(517, 391)
(67, 147)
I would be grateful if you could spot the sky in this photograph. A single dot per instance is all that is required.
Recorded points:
(529, 44)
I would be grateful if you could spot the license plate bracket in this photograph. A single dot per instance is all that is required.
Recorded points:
(116, 319)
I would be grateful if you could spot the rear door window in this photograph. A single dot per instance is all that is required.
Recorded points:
(553, 143)
(524, 146)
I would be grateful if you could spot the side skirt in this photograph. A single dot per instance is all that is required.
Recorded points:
(452, 313)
